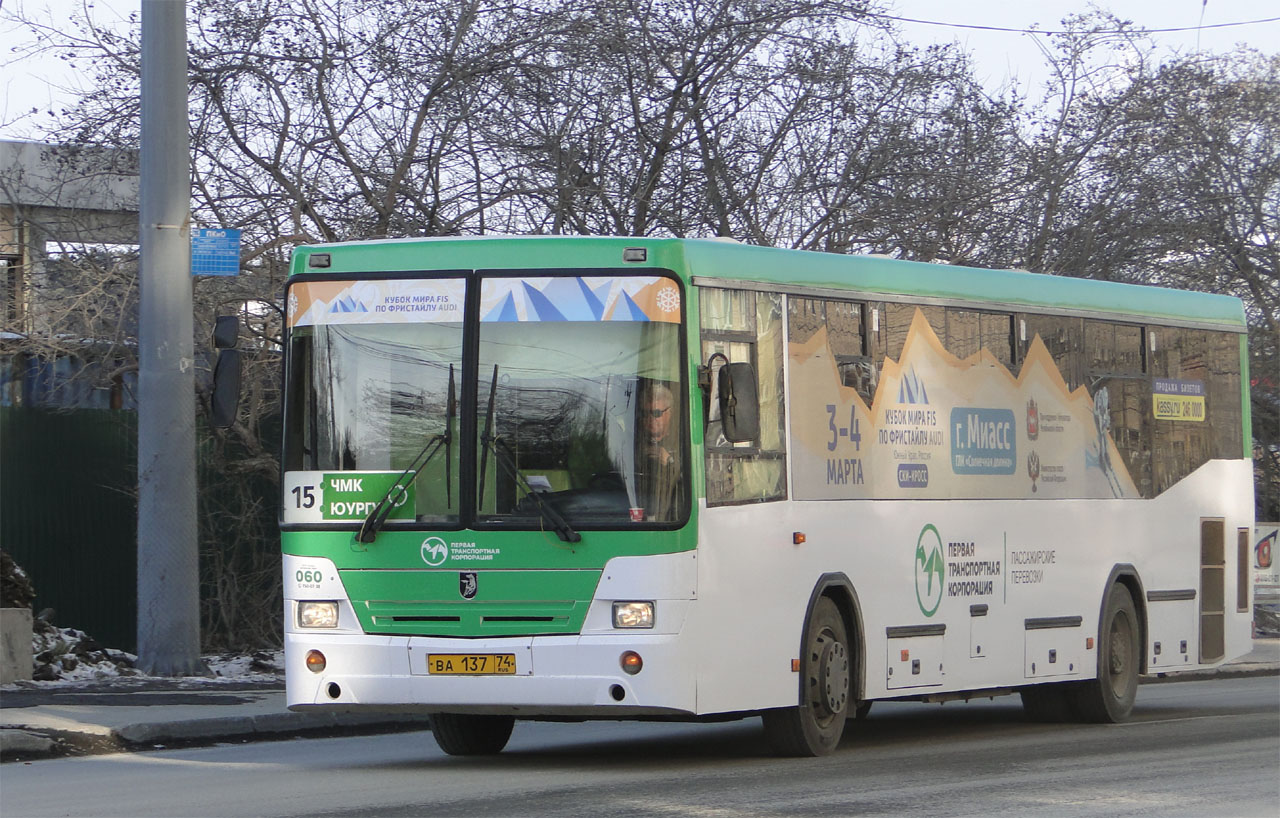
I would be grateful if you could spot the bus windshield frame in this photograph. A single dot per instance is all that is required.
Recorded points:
(511, 398)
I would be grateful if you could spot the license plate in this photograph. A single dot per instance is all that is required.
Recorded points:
(471, 664)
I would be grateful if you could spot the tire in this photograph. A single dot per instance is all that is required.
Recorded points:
(814, 727)
(461, 735)
(1109, 698)
(1049, 703)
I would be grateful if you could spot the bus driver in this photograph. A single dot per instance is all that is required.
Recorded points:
(658, 466)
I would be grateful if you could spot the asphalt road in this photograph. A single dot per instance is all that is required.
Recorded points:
(1192, 748)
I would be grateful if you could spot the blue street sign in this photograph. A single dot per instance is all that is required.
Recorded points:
(215, 252)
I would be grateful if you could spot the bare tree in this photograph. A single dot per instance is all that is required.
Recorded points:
(800, 123)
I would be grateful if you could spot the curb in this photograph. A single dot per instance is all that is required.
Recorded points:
(25, 743)
(259, 726)
(1240, 671)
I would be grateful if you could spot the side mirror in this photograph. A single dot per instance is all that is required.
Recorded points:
(226, 331)
(226, 389)
(225, 399)
(739, 406)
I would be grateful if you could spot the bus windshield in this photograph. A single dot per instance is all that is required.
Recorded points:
(371, 398)
(578, 401)
(577, 408)
(585, 414)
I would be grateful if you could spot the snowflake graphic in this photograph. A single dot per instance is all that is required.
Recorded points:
(293, 304)
(668, 299)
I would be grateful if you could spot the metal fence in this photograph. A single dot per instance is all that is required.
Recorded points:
(68, 514)
(69, 517)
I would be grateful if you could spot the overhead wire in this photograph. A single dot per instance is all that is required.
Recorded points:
(1063, 31)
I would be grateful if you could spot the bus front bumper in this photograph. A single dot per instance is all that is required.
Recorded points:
(570, 676)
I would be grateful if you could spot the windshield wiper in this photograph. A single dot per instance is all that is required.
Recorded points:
(378, 516)
(485, 437)
(502, 453)
(546, 511)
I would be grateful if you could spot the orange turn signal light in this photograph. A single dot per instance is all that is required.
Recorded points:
(798, 538)
(631, 662)
(1088, 643)
(315, 661)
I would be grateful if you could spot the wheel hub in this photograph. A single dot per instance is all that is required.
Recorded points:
(833, 675)
(1118, 660)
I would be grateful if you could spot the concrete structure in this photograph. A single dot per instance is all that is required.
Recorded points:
(15, 644)
(59, 193)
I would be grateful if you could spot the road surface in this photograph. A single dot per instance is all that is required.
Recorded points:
(1192, 748)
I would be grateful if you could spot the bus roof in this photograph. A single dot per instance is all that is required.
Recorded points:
(721, 262)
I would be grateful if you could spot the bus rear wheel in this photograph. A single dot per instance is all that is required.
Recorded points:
(814, 727)
(465, 735)
(1109, 698)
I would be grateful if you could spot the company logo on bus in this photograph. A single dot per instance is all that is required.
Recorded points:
(913, 476)
(931, 570)
(434, 551)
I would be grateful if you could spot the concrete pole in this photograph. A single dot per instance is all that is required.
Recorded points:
(168, 572)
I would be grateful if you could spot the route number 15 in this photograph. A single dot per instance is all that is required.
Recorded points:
(304, 496)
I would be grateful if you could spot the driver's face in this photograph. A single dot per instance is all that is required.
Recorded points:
(657, 418)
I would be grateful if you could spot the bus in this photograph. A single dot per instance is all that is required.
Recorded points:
(645, 478)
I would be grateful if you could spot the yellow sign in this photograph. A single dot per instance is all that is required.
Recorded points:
(471, 664)
(1179, 407)
(1178, 400)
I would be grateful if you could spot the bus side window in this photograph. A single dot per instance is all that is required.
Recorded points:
(889, 329)
(745, 327)
(1199, 361)
(969, 331)
(1115, 362)
(1062, 336)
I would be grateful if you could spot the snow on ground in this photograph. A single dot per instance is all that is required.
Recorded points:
(67, 656)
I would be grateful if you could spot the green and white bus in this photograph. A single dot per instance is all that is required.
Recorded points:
(553, 477)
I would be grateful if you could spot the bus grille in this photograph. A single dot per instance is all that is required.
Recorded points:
(464, 619)
(507, 602)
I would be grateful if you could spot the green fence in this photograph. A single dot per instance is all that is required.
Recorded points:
(68, 514)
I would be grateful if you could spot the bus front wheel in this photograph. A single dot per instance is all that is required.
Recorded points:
(1109, 698)
(463, 735)
(814, 727)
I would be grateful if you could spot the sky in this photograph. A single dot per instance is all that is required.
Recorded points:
(1003, 56)
(1000, 56)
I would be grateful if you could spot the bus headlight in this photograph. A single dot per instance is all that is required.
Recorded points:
(633, 614)
(312, 614)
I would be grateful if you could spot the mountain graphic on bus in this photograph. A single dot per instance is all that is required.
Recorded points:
(347, 304)
(619, 298)
(912, 390)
